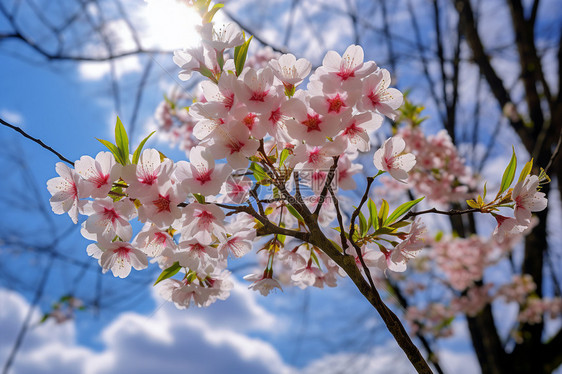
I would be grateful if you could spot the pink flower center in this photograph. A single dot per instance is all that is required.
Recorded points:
(375, 100)
(110, 214)
(259, 96)
(122, 252)
(352, 130)
(204, 176)
(100, 180)
(235, 146)
(275, 115)
(148, 177)
(249, 121)
(205, 219)
(335, 105)
(314, 155)
(162, 203)
(346, 73)
(312, 122)
(229, 101)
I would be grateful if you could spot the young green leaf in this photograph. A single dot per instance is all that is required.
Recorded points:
(402, 209)
(113, 148)
(383, 213)
(372, 214)
(208, 17)
(283, 156)
(294, 213)
(200, 198)
(508, 174)
(169, 272)
(136, 154)
(240, 53)
(258, 171)
(526, 170)
(363, 227)
(122, 140)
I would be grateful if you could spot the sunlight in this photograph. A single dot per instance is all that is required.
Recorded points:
(171, 24)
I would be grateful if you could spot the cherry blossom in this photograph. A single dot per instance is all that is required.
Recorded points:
(289, 70)
(221, 37)
(97, 174)
(378, 96)
(118, 257)
(65, 192)
(153, 240)
(145, 177)
(203, 222)
(262, 284)
(390, 158)
(108, 219)
(201, 175)
(527, 199)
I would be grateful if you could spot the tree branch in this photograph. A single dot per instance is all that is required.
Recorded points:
(38, 141)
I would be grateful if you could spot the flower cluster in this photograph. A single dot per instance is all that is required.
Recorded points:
(255, 126)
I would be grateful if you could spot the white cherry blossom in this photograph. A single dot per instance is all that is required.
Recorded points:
(390, 158)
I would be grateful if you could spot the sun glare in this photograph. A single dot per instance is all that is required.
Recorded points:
(171, 24)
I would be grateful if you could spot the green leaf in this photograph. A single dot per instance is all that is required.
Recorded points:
(508, 174)
(283, 156)
(403, 209)
(113, 148)
(136, 154)
(240, 53)
(363, 227)
(208, 17)
(169, 272)
(294, 213)
(315, 259)
(383, 213)
(372, 214)
(122, 140)
(526, 170)
(200, 198)
(258, 171)
(44, 318)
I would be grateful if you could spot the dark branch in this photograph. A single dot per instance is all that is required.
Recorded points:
(38, 141)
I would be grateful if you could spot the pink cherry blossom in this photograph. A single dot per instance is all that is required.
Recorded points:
(118, 257)
(408, 248)
(203, 222)
(306, 124)
(527, 199)
(196, 256)
(145, 177)
(97, 174)
(201, 175)
(220, 37)
(377, 95)
(233, 142)
(65, 192)
(161, 206)
(255, 89)
(390, 158)
(109, 219)
(153, 240)
(289, 70)
(262, 284)
(346, 70)
(357, 129)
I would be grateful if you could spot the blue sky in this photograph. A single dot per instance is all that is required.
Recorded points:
(68, 105)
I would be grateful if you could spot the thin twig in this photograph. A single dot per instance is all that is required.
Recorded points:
(38, 141)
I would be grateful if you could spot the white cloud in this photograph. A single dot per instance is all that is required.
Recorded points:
(212, 341)
(11, 117)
